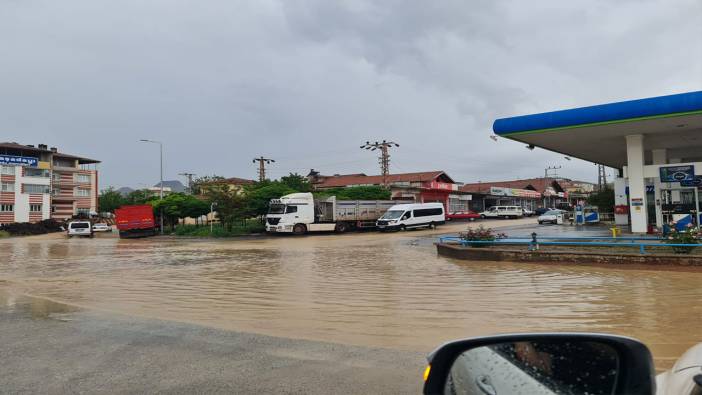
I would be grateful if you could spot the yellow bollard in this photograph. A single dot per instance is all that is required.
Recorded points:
(615, 232)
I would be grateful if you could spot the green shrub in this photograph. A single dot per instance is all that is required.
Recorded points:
(4, 233)
(689, 235)
(482, 235)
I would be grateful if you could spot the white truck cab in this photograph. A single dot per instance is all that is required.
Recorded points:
(290, 210)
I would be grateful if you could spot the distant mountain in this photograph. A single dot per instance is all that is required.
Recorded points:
(175, 186)
(124, 191)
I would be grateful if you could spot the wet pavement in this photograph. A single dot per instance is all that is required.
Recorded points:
(388, 291)
(51, 348)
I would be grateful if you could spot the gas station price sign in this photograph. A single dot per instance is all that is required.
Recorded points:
(677, 173)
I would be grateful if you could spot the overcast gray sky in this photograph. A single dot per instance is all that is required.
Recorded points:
(307, 82)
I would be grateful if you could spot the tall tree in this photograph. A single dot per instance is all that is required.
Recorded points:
(230, 204)
(259, 195)
(200, 183)
(140, 196)
(604, 200)
(109, 200)
(297, 182)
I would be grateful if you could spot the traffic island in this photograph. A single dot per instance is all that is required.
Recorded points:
(572, 255)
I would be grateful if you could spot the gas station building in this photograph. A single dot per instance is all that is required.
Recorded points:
(654, 143)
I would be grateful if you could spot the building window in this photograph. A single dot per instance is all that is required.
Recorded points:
(35, 208)
(36, 188)
(82, 192)
(7, 208)
(30, 172)
(7, 170)
(7, 187)
(82, 178)
(64, 163)
(56, 176)
(85, 211)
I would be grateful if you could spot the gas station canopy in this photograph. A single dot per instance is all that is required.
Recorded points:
(598, 133)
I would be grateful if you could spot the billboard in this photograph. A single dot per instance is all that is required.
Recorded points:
(677, 173)
(18, 160)
(499, 191)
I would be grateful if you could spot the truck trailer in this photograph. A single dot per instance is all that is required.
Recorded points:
(135, 221)
(300, 213)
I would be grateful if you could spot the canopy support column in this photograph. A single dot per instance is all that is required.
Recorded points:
(637, 185)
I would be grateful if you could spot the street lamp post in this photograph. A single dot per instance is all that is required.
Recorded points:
(160, 145)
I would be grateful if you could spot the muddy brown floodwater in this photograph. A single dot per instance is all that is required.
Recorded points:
(386, 290)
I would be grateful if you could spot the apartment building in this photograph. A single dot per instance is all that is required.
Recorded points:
(38, 183)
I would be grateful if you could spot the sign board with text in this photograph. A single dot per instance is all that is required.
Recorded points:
(18, 160)
(677, 173)
(696, 182)
(499, 191)
(637, 201)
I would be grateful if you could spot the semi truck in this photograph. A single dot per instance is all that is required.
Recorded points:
(135, 221)
(300, 213)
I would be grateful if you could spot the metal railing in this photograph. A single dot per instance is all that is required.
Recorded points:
(529, 242)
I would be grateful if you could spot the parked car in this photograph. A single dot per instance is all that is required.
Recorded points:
(542, 210)
(550, 216)
(503, 212)
(527, 212)
(101, 227)
(80, 228)
(469, 215)
(407, 216)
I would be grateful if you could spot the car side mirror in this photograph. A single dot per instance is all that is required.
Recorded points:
(554, 363)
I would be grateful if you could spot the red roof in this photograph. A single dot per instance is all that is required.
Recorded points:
(534, 184)
(353, 179)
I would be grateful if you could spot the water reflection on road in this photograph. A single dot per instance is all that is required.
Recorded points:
(367, 289)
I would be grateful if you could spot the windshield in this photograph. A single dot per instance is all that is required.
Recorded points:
(276, 209)
(80, 225)
(553, 212)
(393, 214)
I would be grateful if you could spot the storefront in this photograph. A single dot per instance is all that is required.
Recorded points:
(528, 193)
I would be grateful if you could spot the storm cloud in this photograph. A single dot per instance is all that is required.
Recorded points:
(307, 82)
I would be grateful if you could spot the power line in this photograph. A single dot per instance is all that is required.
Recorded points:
(552, 169)
(384, 156)
(262, 162)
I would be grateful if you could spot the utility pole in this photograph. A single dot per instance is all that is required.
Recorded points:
(553, 169)
(601, 178)
(189, 176)
(262, 162)
(384, 159)
(160, 195)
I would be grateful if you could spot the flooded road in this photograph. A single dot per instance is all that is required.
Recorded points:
(381, 290)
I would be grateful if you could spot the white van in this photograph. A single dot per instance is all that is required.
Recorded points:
(503, 212)
(408, 216)
(80, 228)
